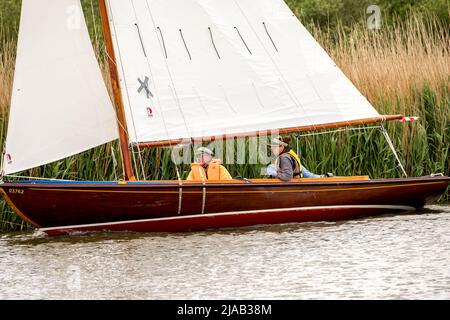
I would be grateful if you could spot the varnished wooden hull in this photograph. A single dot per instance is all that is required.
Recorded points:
(166, 206)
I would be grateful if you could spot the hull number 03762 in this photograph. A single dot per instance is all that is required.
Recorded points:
(16, 191)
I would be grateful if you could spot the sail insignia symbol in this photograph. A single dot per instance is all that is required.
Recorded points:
(149, 112)
(144, 86)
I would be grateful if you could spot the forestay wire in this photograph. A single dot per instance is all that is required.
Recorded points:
(391, 145)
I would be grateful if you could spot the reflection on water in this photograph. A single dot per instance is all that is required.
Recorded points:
(386, 257)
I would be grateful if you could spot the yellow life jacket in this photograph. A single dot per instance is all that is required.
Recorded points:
(297, 159)
(197, 173)
(215, 172)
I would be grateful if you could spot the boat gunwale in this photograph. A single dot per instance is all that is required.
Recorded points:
(214, 184)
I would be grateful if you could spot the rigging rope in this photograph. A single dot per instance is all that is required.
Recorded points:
(119, 123)
(391, 145)
(114, 161)
(95, 25)
(128, 98)
(2, 163)
(381, 127)
(338, 130)
(141, 162)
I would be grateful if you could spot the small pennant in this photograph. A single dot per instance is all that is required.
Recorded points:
(409, 119)
(9, 158)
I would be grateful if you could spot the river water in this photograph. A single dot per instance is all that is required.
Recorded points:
(384, 257)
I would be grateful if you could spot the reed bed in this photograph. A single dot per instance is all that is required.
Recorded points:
(404, 68)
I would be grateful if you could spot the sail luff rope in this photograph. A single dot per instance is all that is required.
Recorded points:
(126, 89)
(127, 93)
(119, 123)
(97, 46)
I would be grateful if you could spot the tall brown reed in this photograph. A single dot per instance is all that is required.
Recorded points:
(389, 63)
(7, 60)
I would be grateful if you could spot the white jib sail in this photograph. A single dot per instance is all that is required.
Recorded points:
(60, 105)
(198, 68)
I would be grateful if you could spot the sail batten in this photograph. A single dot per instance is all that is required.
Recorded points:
(60, 106)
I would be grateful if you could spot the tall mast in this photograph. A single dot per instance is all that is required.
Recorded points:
(118, 101)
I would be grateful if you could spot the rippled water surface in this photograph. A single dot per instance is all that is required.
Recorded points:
(385, 257)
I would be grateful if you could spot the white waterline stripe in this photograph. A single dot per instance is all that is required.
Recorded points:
(406, 208)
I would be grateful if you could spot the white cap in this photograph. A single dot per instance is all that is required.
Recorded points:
(278, 142)
(203, 150)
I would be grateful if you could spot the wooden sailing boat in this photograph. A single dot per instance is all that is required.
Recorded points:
(181, 70)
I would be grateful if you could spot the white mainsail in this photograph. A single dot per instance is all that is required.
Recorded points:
(200, 68)
(60, 105)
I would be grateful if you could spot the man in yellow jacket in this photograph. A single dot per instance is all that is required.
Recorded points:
(207, 168)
